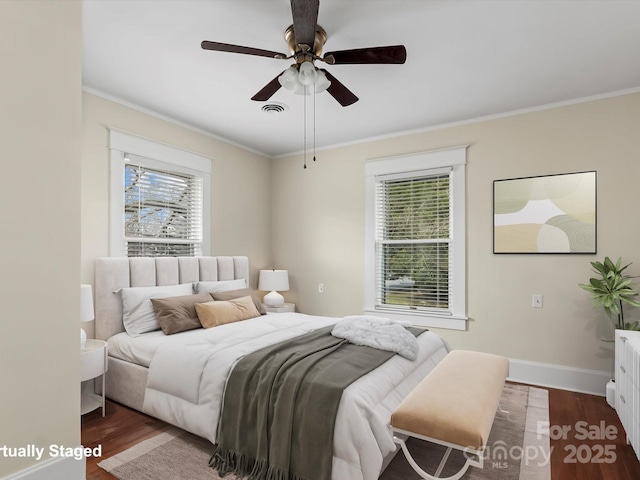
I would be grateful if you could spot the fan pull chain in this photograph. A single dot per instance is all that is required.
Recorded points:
(314, 123)
(305, 127)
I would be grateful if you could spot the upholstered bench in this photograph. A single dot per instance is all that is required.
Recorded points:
(454, 406)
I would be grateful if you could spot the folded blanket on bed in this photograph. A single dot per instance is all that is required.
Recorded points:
(280, 406)
(377, 332)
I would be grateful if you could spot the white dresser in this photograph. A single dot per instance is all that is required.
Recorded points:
(628, 385)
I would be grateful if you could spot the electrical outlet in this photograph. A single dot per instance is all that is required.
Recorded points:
(536, 301)
(321, 288)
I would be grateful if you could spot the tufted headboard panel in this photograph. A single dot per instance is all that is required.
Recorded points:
(113, 273)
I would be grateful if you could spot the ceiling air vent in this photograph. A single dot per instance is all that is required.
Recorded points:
(274, 108)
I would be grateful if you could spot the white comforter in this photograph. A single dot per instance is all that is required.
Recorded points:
(188, 372)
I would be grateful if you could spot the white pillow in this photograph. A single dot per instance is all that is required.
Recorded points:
(220, 286)
(138, 316)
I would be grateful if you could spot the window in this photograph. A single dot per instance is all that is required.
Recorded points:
(415, 250)
(162, 211)
(159, 202)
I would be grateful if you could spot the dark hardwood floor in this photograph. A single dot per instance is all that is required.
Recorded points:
(582, 452)
(119, 429)
(596, 456)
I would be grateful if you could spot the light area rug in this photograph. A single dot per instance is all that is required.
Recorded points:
(518, 449)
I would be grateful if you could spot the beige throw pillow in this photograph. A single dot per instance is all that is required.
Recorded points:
(213, 314)
(243, 292)
(178, 314)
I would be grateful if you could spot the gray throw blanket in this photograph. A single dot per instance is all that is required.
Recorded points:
(378, 332)
(280, 406)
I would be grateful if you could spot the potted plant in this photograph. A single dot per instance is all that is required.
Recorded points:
(611, 290)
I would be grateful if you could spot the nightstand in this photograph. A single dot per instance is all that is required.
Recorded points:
(287, 307)
(93, 364)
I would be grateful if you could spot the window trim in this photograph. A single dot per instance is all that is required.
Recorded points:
(157, 155)
(454, 158)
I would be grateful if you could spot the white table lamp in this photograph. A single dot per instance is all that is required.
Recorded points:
(86, 310)
(273, 281)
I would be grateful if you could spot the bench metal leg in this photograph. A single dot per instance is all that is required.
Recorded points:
(436, 476)
(445, 457)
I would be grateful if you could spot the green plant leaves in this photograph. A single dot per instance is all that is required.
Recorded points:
(613, 289)
(632, 326)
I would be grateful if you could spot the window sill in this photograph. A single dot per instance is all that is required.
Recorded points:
(449, 322)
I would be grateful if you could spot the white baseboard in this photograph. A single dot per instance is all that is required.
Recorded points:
(61, 468)
(559, 376)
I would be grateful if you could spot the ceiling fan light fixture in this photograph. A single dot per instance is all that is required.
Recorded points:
(307, 74)
(304, 79)
(289, 78)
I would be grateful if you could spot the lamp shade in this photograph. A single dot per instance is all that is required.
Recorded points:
(322, 82)
(274, 280)
(289, 78)
(307, 74)
(86, 303)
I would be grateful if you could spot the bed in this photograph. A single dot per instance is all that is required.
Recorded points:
(180, 378)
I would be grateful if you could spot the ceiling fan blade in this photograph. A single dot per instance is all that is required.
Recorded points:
(268, 90)
(337, 90)
(305, 18)
(227, 47)
(395, 54)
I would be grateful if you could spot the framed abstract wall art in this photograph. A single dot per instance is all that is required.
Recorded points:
(547, 214)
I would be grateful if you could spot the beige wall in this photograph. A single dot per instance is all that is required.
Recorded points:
(240, 184)
(40, 128)
(318, 229)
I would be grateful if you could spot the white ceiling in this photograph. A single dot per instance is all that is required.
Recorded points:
(465, 59)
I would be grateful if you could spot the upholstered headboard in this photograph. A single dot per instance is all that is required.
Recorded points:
(112, 273)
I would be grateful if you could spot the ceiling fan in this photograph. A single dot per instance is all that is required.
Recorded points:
(306, 39)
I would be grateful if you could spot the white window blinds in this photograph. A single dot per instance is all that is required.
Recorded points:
(162, 211)
(413, 237)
